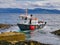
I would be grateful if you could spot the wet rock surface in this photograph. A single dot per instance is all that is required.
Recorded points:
(3, 42)
(5, 26)
(57, 32)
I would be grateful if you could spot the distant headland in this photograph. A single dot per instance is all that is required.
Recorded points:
(36, 10)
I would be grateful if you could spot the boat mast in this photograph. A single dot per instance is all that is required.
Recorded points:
(26, 12)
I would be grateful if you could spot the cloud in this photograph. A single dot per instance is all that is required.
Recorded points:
(47, 4)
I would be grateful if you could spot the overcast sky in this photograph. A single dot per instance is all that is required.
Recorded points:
(47, 4)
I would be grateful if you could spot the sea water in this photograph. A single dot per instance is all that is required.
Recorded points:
(41, 35)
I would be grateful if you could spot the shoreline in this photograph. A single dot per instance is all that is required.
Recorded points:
(57, 32)
(5, 26)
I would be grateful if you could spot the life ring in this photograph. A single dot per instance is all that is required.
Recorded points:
(32, 27)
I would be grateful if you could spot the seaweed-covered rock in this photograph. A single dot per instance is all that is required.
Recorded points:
(26, 42)
(29, 43)
(4, 26)
(3, 42)
(57, 32)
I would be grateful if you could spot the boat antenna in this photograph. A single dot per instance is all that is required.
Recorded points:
(26, 12)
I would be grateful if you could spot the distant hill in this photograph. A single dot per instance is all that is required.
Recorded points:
(36, 10)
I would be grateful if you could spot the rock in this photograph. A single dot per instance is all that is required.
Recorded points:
(21, 43)
(5, 26)
(29, 43)
(57, 32)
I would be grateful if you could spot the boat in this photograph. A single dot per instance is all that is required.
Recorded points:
(30, 22)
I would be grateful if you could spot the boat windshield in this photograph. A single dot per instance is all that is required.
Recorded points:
(23, 17)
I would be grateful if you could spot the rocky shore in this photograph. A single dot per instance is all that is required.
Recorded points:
(3, 42)
(57, 32)
(5, 26)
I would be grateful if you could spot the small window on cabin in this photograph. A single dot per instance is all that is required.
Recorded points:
(25, 18)
(21, 18)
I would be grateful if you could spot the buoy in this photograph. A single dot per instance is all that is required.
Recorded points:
(32, 27)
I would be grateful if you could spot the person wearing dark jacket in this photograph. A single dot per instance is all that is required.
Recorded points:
(30, 19)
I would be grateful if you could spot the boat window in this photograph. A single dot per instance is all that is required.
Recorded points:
(21, 18)
(25, 18)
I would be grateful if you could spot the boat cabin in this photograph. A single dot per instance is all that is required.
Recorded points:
(29, 22)
(24, 19)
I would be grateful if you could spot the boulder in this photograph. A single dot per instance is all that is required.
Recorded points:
(57, 32)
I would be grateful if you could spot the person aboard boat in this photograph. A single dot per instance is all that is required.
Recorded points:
(30, 19)
(33, 20)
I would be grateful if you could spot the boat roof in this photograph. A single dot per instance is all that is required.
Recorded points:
(28, 16)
